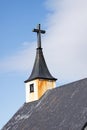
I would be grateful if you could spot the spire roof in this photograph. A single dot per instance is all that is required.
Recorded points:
(40, 69)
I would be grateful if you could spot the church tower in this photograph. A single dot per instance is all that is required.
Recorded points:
(40, 79)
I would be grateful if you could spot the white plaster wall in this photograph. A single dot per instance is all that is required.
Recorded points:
(34, 95)
(44, 85)
(40, 87)
(51, 84)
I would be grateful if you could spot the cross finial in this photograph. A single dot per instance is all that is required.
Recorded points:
(39, 31)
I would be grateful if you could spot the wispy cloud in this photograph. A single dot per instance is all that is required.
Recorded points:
(65, 43)
(21, 61)
(66, 38)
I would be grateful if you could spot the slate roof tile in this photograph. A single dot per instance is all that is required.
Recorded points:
(62, 108)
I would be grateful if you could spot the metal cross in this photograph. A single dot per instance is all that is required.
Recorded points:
(39, 31)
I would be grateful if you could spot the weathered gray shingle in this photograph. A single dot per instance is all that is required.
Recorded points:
(62, 108)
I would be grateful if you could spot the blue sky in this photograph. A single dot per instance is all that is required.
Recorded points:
(17, 19)
(64, 45)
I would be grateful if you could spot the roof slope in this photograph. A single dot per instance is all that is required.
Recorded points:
(62, 108)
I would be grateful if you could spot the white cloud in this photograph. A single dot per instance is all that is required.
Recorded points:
(66, 39)
(65, 43)
(21, 61)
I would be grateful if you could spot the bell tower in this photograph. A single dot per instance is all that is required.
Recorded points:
(40, 79)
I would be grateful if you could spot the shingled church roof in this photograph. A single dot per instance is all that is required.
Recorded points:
(62, 108)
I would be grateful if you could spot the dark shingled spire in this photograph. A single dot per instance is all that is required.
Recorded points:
(40, 70)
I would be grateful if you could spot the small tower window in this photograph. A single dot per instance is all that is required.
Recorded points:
(31, 88)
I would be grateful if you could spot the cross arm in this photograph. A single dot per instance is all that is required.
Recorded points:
(37, 30)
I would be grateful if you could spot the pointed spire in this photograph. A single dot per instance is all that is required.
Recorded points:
(40, 70)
